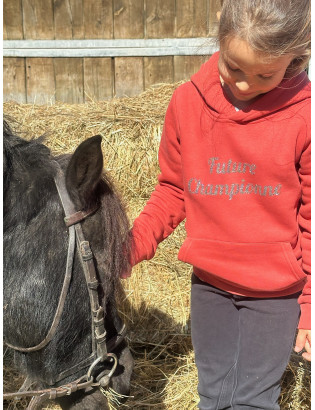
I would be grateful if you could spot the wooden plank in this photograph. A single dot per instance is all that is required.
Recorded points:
(158, 70)
(109, 48)
(40, 81)
(69, 80)
(98, 79)
(68, 19)
(12, 20)
(128, 76)
(186, 66)
(128, 18)
(14, 80)
(76, 7)
(38, 19)
(213, 23)
(191, 18)
(98, 19)
(160, 18)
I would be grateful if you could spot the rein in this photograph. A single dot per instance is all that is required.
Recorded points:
(100, 346)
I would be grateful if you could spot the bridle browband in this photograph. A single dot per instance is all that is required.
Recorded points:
(101, 348)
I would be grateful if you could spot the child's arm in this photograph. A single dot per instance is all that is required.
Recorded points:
(165, 208)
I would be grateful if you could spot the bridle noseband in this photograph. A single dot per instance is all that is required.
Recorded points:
(101, 348)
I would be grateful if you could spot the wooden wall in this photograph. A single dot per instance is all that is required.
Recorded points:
(76, 80)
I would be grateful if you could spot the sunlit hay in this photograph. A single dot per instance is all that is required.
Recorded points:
(131, 130)
(115, 400)
(154, 301)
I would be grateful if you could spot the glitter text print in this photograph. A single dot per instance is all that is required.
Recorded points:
(198, 187)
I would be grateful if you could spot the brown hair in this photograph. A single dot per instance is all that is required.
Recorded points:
(273, 27)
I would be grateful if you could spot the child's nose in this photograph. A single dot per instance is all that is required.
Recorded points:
(242, 85)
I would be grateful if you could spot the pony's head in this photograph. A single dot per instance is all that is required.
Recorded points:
(35, 255)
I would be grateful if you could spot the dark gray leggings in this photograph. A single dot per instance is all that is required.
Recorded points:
(242, 347)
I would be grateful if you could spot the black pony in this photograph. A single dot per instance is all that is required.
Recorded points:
(35, 240)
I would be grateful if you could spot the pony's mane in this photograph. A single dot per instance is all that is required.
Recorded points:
(28, 169)
(24, 152)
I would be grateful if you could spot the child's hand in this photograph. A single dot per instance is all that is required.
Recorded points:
(303, 341)
(125, 275)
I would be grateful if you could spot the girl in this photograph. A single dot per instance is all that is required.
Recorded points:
(235, 162)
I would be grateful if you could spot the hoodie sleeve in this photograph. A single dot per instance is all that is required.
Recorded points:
(165, 208)
(304, 219)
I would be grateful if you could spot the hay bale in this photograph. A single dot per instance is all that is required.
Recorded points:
(155, 300)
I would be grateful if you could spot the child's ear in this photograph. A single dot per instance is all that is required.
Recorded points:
(218, 15)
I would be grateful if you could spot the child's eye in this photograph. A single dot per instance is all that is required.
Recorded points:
(231, 68)
(266, 76)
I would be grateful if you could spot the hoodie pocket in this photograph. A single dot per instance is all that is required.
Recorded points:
(292, 261)
(265, 267)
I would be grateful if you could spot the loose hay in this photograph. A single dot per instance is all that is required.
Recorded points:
(155, 300)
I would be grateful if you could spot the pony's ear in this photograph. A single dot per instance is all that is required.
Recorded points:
(84, 170)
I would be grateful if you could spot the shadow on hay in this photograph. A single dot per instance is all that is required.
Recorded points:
(160, 347)
(296, 384)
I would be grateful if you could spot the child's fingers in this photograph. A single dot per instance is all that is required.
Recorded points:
(307, 354)
(303, 344)
(300, 340)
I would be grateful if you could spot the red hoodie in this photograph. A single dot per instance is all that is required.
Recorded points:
(242, 180)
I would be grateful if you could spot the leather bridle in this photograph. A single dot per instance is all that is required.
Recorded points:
(101, 347)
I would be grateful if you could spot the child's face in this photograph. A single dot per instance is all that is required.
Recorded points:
(247, 73)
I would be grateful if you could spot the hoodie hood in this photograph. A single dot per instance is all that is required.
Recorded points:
(289, 92)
